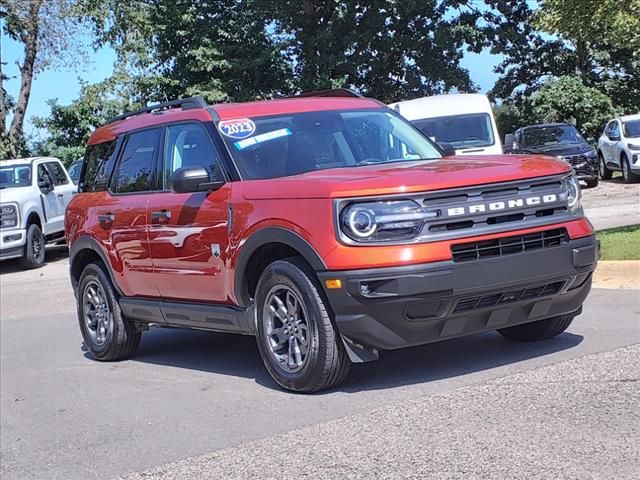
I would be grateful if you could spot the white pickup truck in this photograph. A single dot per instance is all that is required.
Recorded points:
(34, 194)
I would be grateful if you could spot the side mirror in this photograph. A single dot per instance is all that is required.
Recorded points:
(591, 140)
(193, 179)
(44, 184)
(446, 149)
(508, 143)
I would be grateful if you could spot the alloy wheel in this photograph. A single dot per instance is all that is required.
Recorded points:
(286, 327)
(97, 314)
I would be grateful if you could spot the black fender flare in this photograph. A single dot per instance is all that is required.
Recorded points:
(272, 235)
(85, 242)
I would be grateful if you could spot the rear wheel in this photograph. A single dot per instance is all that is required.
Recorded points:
(540, 330)
(627, 174)
(107, 334)
(605, 173)
(34, 248)
(297, 339)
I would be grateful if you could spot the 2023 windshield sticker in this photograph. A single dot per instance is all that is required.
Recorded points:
(263, 137)
(238, 128)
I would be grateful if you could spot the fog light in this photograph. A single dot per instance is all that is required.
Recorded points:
(12, 238)
(333, 283)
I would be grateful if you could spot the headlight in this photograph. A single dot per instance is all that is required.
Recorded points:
(384, 221)
(591, 154)
(8, 216)
(633, 147)
(572, 189)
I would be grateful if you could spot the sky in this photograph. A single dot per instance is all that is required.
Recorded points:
(64, 84)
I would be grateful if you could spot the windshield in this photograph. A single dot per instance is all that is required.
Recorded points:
(461, 131)
(551, 135)
(15, 175)
(632, 129)
(291, 144)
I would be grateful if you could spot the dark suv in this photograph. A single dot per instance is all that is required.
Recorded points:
(327, 226)
(560, 140)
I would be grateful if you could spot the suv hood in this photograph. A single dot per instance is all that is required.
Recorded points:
(405, 177)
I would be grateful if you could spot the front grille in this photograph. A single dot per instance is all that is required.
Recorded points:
(465, 252)
(573, 159)
(510, 296)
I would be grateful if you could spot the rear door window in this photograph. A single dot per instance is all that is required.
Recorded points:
(98, 165)
(58, 174)
(136, 167)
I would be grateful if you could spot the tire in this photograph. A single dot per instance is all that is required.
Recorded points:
(540, 330)
(110, 336)
(323, 362)
(34, 248)
(605, 173)
(592, 183)
(627, 175)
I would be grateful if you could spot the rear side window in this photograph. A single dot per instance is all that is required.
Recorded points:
(135, 171)
(98, 165)
(57, 171)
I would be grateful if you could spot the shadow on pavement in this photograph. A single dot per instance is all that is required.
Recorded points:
(238, 355)
(54, 253)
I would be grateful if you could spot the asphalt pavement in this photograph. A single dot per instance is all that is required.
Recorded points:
(187, 394)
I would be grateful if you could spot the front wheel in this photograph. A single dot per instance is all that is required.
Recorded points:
(605, 173)
(34, 251)
(107, 334)
(540, 330)
(296, 336)
(592, 182)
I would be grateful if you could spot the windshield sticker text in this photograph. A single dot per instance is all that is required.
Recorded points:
(238, 128)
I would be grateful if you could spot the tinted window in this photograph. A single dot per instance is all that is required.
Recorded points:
(632, 129)
(461, 131)
(57, 171)
(292, 144)
(615, 130)
(189, 145)
(135, 171)
(98, 165)
(74, 170)
(43, 174)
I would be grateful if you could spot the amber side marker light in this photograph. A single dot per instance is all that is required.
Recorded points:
(334, 283)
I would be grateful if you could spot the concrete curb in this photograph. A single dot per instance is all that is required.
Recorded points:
(616, 274)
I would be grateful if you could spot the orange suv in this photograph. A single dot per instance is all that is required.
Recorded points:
(326, 225)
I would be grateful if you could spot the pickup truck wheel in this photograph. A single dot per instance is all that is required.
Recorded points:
(540, 330)
(296, 337)
(34, 251)
(107, 334)
(627, 175)
(605, 173)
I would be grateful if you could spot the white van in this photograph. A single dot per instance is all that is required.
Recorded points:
(463, 120)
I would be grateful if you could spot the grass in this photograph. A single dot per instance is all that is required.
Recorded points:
(620, 243)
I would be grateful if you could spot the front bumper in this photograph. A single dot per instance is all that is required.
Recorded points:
(586, 170)
(12, 243)
(390, 308)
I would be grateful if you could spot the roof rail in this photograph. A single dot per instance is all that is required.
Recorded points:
(331, 92)
(184, 103)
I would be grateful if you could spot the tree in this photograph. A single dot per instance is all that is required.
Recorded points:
(48, 32)
(568, 99)
(586, 22)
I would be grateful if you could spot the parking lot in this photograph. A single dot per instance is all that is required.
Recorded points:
(188, 393)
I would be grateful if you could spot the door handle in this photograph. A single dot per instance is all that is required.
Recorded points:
(106, 220)
(161, 216)
(60, 196)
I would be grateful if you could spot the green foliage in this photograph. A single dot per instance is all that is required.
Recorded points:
(568, 99)
(606, 22)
